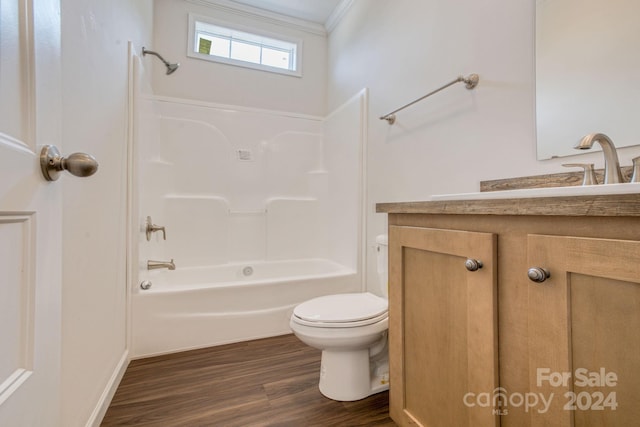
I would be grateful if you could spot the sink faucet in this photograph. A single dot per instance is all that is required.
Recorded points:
(612, 172)
(153, 265)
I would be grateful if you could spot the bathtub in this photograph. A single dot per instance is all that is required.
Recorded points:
(199, 307)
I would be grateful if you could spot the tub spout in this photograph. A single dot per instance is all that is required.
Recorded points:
(153, 265)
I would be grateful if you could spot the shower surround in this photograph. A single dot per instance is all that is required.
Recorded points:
(262, 210)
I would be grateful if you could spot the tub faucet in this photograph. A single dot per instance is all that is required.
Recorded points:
(150, 227)
(612, 172)
(153, 265)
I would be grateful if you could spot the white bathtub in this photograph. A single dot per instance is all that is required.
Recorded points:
(204, 306)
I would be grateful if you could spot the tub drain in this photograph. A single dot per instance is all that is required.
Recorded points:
(247, 271)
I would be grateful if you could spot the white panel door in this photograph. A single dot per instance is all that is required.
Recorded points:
(30, 214)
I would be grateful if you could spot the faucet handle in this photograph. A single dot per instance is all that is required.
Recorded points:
(636, 169)
(152, 228)
(589, 172)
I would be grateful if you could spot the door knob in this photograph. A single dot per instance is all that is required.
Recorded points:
(538, 274)
(77, 164)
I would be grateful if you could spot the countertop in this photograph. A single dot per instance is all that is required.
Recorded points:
(591, 205)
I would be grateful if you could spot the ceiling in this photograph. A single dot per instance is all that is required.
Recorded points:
(310, 10)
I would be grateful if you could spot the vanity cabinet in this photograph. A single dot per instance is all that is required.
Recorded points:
(443, 331)
(584, 330)
(492, 347)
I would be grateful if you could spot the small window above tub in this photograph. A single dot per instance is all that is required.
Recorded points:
(234, 45)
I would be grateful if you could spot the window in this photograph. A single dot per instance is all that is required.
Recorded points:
(214, 42)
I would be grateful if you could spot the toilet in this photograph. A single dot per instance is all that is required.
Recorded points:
(351, 330)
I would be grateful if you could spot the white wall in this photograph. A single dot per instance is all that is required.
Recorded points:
(94, 65)
(448, 143)
(227, 84)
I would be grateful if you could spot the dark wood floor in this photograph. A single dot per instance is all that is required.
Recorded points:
(269, 382)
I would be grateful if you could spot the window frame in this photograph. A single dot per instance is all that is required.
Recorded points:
(193, 53)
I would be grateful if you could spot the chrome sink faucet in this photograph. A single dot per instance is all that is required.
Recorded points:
(612, 172)
(153, 265)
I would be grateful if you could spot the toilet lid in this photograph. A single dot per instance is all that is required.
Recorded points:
(342, 308)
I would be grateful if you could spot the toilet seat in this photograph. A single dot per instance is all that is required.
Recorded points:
(341, 311)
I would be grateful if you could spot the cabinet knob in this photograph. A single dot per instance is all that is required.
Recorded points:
(473, 264)
(538, 274)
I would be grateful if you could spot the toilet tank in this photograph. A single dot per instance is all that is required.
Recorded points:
(382, 256)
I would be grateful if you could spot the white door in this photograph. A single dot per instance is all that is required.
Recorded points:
(30, 214)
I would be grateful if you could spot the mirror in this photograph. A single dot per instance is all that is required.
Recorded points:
(586, 60)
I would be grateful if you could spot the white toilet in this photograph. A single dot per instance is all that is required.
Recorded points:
(351, 331)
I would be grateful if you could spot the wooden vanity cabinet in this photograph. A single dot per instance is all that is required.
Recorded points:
(569, 346)
(443, 330)
(585, 321)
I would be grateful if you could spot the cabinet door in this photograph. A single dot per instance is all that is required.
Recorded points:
(442, 327)
(584, 331)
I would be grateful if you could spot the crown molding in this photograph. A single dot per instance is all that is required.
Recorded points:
(255, 13)
(338, 13)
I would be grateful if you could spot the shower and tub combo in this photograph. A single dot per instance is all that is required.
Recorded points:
(261, 210)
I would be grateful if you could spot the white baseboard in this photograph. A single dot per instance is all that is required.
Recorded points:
(109, 391)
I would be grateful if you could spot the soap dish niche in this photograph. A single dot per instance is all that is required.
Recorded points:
(244, 155)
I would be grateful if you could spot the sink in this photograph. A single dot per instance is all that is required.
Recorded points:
(588, 190)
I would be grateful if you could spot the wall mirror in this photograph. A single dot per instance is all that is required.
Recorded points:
(587, 58)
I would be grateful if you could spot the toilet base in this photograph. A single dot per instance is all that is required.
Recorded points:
(352, 375)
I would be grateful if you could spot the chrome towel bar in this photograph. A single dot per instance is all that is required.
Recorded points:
(470, 81)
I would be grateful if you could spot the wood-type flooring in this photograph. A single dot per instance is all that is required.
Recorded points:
(267, 382)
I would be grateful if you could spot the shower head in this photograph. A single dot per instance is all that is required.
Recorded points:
(170, 67)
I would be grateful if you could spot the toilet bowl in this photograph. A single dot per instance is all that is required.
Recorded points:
(351, 330)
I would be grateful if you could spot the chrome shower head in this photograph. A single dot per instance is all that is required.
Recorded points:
(170, 67)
